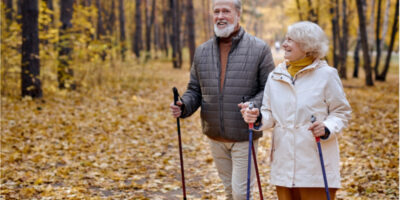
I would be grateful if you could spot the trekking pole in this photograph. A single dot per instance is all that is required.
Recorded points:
(176, 96)
(258, 175)
(249, 158)
(321, 158)
(251, 125)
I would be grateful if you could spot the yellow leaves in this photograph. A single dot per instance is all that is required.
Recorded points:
(142, 119)
(209, 159)
(119, 141)
(15, 157)
(63, 172)
(369, 147)
(27, 192)
(48, 192)
(114, 175)
(38, 181)
(134, 98)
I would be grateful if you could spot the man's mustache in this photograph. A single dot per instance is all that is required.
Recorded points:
(222, 21)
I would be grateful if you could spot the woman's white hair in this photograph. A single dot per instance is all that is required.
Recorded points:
(310, 37)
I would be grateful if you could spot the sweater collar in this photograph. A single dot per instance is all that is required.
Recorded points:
(296, 66)
(281, 68)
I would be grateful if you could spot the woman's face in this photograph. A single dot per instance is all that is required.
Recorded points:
(293, 52)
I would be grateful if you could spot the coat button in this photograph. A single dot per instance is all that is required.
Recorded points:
(281, 77)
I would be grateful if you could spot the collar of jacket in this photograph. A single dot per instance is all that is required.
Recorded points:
(282, 73)
(235, 40)
(282, 68)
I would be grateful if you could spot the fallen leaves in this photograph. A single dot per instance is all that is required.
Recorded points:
(120, 142)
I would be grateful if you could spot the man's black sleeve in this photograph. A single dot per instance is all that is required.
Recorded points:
(192, 97)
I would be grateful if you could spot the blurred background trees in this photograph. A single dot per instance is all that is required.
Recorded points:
(77, 39)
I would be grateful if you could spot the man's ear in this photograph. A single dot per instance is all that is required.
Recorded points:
(238, 12)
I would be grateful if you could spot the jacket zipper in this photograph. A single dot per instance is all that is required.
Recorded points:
(221, 88)
(293, 81)
(220, 97)
(292, 85)
(294, 135)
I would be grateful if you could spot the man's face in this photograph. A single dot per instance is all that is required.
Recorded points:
(226, 17)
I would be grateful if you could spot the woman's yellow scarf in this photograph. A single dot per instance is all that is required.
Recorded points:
(296, 66)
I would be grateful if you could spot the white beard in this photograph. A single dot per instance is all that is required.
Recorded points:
(227, 31)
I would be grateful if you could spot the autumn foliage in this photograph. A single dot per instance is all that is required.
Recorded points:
(118, 141)
(112, 137)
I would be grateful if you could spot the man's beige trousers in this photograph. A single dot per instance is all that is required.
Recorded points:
(231, 162)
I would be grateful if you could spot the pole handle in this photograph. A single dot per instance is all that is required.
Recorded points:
(176, 94)
(251, 106)
(314, 119)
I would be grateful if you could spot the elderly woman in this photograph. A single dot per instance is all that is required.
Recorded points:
(302, 86)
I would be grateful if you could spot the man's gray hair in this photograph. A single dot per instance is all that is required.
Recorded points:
(310, 37)
(238, 4)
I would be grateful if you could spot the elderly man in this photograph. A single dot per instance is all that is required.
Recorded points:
(228, 67)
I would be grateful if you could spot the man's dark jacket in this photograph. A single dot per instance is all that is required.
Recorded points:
(249, 63)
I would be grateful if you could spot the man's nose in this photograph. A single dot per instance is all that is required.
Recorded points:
(220, 15)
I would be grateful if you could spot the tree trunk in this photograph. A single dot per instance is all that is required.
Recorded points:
(147, 29)
(50, 6)
(175, 36)
(179, 32)
(176, 39)
(335, 32)
(382, 76)
(206, 27)
(385, 24)
(210, 21)
(88, 3)
(312, 16)
(318, 9)
(357, 56)
(111, 19)
(149, 23)
(65, 72)
(122, 28)
(100, 29)
(9, 11)
(344, 42)
(370, 27)
(191, 30)
(156, 36)
(183, 31)
(299, 10)
(166, 28)
(364, 43)
(378, 38)
(19, 11)
(30, 67)
(138, 29)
